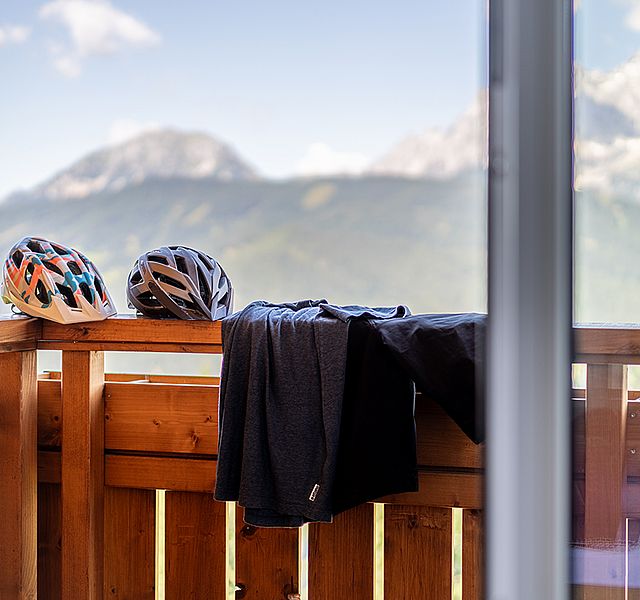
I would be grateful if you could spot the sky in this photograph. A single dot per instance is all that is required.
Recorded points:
(294, 87)
(288, 84)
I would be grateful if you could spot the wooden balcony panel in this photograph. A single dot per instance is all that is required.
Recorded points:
(159, 417)
(142, 417)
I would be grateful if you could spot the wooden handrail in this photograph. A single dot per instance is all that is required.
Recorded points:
(127, 333)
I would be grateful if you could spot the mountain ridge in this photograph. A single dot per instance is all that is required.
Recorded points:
(163, 154)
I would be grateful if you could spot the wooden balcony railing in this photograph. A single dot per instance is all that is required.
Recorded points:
(90, 449)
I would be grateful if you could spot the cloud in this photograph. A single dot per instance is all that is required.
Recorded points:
(321, 159)
(632, 20)
(610, 168)
(122, 130)
(95, 27)
(619, 87)
(13, 34)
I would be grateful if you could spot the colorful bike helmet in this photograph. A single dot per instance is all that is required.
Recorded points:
(44, 279)
(179, 282)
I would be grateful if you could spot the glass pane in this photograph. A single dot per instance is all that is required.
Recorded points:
(606, 534)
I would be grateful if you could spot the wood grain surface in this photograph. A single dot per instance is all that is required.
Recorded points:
(417, 536)
(195, 546)
(129, 544)
(341, 556)
(82, 475)
(266, 561)
(18, 475)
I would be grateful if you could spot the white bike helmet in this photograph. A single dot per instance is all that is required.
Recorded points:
(44, 279)
(177, 282)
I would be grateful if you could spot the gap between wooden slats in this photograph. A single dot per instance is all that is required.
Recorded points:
(49, 541)
(129, 543)
(417, 535)
(266, 560)
(195, 526)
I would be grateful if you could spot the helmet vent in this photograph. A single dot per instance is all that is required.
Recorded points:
(98, 285)
(181, 265)
(41, 293)
(29, 273)
(86, 292)
(171, 281)
(67, 294)
(186, 303)
(35, 246)
(158, 259)
(59, 250)
(49, 265)
(204, 292)
(74, 268)
(17, 258)
(148, 299)
(136, 278)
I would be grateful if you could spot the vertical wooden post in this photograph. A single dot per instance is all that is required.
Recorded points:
(604, 531)
(18, 475)
(82, 474)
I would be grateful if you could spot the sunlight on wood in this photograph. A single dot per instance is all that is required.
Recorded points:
(230, 569)
(160, 544)
(456, 554)
(303, 562)
(378, 551)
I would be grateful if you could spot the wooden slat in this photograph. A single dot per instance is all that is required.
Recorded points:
(472, 555)
(198, 475)
(604, 528)
(195, 546)
(49, 413)
(128, 328)
(601, 339)
(633, 551)
(18, 475)
(266, 561)
(341, 556)
(49, 541)
(608, 359)
(150, 417)
(463, 490)
(417, 536)
(82, 475)
(605, 447)
(145, 378)
(18, 333)
(181, 474)
(160, 417)
(577, 442)
(78, 346)
(129, 543)
(440, 441)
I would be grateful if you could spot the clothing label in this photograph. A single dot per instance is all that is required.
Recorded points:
(314, 492)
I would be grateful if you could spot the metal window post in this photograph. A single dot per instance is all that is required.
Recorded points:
(530, 291)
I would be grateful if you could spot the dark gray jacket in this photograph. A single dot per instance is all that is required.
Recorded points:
(280, 407)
